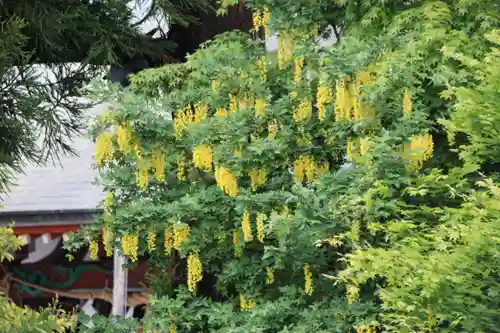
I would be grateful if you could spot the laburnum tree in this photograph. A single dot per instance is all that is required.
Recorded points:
(330, 189)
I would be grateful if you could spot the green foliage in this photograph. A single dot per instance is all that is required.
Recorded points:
(400, 236)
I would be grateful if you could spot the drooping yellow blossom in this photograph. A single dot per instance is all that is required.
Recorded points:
(181, 233)
(407, 103)
(202, 157)
(285, 211)
(106, 241)
(130, 246)
(355, 103)
(94, 250)
(151, 241)
(420, 150)
(260, 226)
(266, 16)
(233, 103)
(270, 275)
(246, 101)
(168, 241)
(108, 202)
(257, 20)
(236, 243)
(304, 168)
(195, 271)
(226, 181)
(364, 78)
(238, 152)
(172, 330)
(308, 287)
(323, 98)
(364, 146)
(262, 66)
(285, 43)
(183, 116)
(297, 70)
(103, 149)
(200, 112)
(258, 177)
(142, 175)
(303, 111)
(247, 305)
(352, 149)
(181, 167)
(158, 163)
(124, 138)
(272, 129)
(137, 151)
(342, 105)
(220, 112)
(260, 105)
(246, 227)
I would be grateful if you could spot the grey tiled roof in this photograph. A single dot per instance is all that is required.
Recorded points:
(61, 187)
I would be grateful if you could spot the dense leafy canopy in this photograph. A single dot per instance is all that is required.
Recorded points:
(332, 189)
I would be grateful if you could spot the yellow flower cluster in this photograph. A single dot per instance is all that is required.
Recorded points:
(407, 103)
(181, 167)
(303, 111)
(195, 271)
(172, 329)
(262, 66)
(260, 226)
(137, 150)
(168, 241)
(284, 50)
(108, 202)
(246, 227)
(245, 101)
(270, 275)
(260, 20)
(247, 305)
(94, 250)
(202, 157)
(285, 211)
(347, 103)
(323, 98)
(130, 246)
(124, 138)
(103, 149)
(420, 150)
(352, 149)
(181, 233)
(233, 103)
(158, 163)
(297, 70)
(220, 112)
(186, 115)
(364, 329)
(258, 177)
(106, 241)
(236, 243)
(226, 181)
(260, 105)
(151, 239)
(305, 167)
(142, 175)
(308, 287)
(272, 129)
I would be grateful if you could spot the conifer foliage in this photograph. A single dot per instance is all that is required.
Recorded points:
(328, 189)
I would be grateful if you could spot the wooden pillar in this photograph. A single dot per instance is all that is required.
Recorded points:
(120, 277)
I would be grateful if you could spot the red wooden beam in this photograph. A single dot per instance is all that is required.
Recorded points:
(46, 229)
